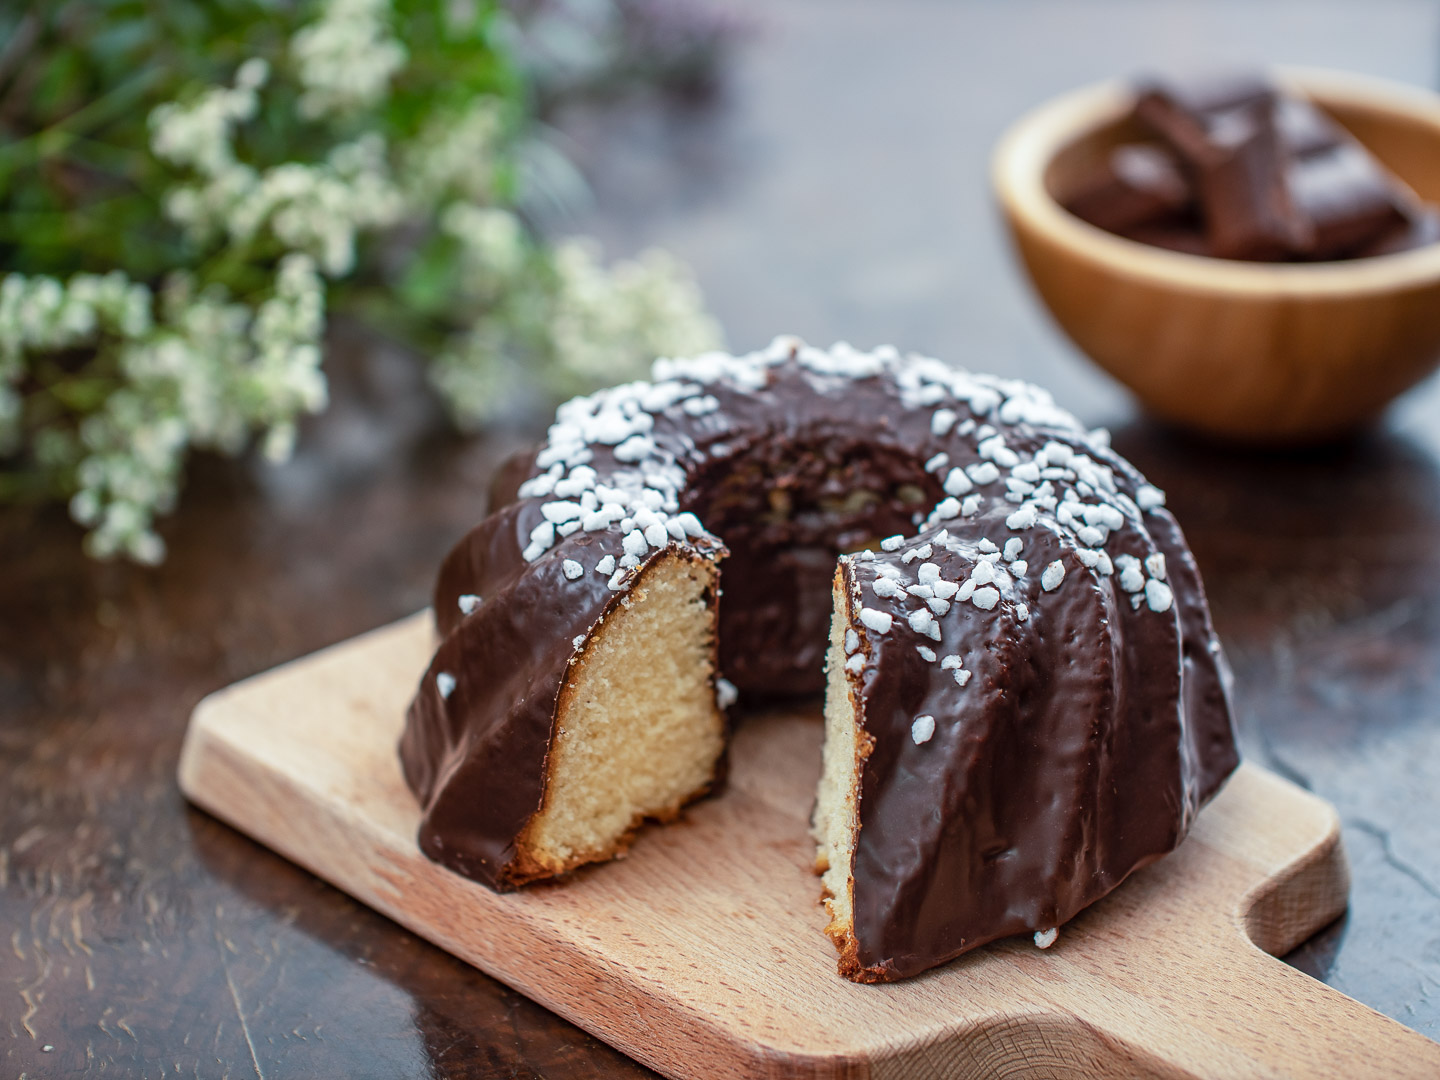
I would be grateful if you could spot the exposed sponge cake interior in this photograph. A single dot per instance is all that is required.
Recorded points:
(638, 731)
(836, 806)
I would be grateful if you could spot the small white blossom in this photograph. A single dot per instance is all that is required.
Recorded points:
(609, 324)
(455, 153)
(346, 58)
(319, 209)
(198, 135)
(492, 240)
(597, 325)
(205, 375)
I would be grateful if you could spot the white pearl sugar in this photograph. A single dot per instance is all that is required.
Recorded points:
(879, 621)
(1158, 595)
(1052, 576)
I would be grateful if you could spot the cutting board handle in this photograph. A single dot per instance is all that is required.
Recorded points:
(1224, 1006)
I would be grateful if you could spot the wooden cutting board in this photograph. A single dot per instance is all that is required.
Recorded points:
(701, 954)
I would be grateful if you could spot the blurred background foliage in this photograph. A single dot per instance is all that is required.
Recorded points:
(189, 190)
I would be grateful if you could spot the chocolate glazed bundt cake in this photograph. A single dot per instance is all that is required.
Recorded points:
(1025, 699)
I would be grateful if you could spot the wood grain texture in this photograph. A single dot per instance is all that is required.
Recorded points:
(702, 953)
(1268, 353)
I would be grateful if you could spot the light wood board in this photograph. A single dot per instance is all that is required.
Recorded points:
(701, 954)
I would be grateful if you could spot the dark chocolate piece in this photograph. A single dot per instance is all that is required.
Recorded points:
(1224, 131)
(1186, 236)
(1304, 129)
(1184, 113)
(811, 454)
(1140, 185)
(1422, 230)
(1346, 198)
(1276, 178)
(1243, 194)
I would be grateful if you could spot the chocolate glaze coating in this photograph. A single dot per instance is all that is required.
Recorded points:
(1102, 739)
(1086, 739)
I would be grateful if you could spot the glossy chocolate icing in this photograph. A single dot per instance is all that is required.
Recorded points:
(1085, 740)
(1107, 729)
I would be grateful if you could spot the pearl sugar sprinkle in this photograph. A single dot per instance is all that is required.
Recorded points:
(922, 729)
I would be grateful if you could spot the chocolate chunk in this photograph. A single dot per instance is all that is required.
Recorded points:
(1140, 184)
(1187, 237)
(1224, 131)
(1243, 192)
(1346, 198)
(1275, 178)
(1183, 113)
(1421, 230)
(1304, 129)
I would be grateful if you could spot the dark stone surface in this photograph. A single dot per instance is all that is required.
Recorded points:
(839, 190)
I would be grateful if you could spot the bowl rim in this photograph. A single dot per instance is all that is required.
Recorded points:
(1027, 148)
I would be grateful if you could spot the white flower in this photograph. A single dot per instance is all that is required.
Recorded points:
(608, 325)
(205, 210)
(252, 74)
(43, 313)
(493, 241)
(199, 135)
(594, 325)
(319, 209)
(454, 154)
(477, 376)
(346, 58)
(207, 375)
(196, 367)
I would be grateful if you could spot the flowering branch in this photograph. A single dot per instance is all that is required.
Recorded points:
(210, 233)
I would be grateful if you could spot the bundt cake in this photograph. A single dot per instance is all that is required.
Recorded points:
(1025, 699)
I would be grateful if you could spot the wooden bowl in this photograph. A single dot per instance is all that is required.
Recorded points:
(1263, 353)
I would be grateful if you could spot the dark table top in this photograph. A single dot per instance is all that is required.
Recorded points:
(837, 190)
